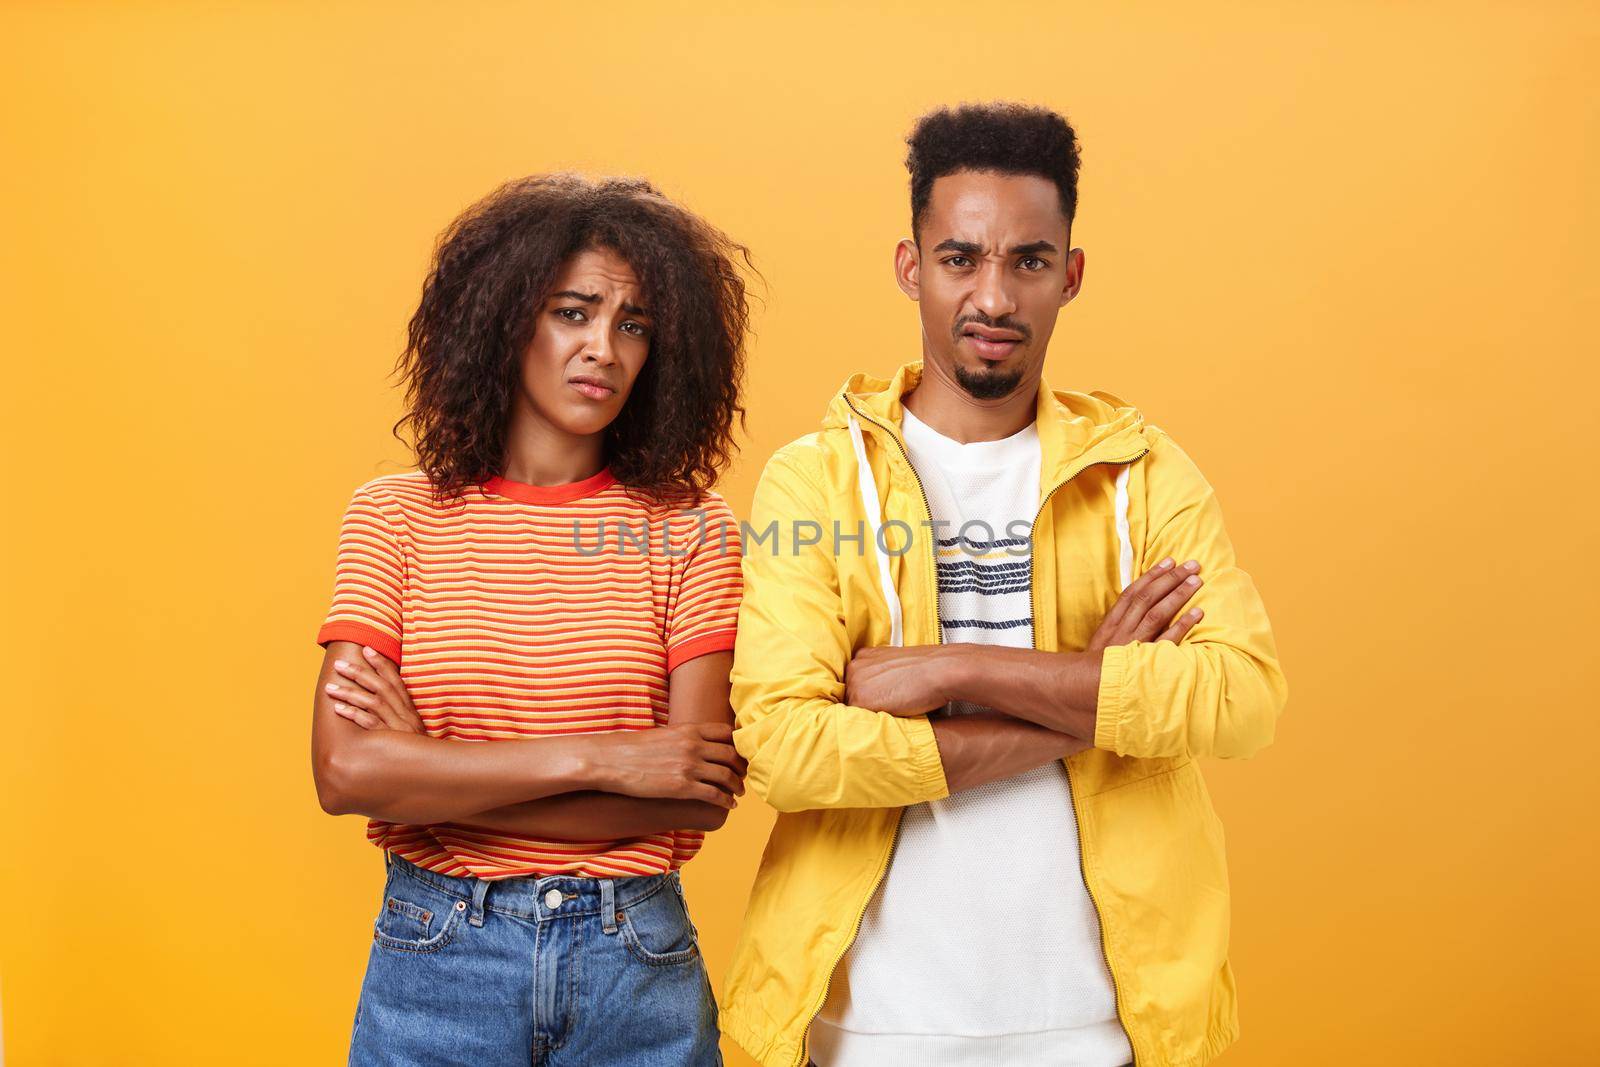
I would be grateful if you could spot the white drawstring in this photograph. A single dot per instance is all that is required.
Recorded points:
(874, 513)
(1125, 558)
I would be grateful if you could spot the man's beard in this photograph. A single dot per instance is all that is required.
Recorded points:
(988, 384)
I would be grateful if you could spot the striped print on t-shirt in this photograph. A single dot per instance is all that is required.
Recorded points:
(511, 616)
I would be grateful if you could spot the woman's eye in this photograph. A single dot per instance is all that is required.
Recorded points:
(570, 314)
(634, 328)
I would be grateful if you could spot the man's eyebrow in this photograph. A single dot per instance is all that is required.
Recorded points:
(972, 248)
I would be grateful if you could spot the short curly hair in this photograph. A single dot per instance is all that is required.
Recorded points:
(493, 269)
(1005, 138)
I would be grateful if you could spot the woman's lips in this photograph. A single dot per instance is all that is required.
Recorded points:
(592, 390)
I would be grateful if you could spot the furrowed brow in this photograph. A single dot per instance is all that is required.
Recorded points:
(950, 244)
(573, 294)
(1033, 248)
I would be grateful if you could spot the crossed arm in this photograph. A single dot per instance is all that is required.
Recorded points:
(1048, 699)
(371, 756)
(824, 724)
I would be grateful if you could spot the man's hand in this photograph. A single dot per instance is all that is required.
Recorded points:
(1148, 609)
(899, 681)
(372, 695)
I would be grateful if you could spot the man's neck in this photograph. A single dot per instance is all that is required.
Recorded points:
(951, 411)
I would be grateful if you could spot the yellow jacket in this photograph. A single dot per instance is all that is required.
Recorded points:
(1117, 496)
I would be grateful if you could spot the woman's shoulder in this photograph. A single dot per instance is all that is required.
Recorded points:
(398, 495)
(709, 505)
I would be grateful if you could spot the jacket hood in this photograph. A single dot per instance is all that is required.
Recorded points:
(1071, 425)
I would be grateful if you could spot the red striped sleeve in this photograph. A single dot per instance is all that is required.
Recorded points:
(704, 613)
(368, 578)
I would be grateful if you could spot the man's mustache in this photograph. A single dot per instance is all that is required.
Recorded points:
(1004, 322)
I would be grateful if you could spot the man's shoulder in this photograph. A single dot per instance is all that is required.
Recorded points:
(1170, 470)
(803, 457)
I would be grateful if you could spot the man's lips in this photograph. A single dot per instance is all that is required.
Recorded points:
(591, 387)
(991, 344)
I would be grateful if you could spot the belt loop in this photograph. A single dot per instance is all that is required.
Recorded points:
(608, 905)
(480, 889)
(388, 859)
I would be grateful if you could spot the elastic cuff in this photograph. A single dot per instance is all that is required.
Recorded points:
(361, 634)
(925, 759)
(1108, 713)
(721, 641)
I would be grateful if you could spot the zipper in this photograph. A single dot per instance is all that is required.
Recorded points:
(894, 836)
(1116, 989)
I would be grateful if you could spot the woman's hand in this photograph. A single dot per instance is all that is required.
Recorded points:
(372, 695)
(688, 761)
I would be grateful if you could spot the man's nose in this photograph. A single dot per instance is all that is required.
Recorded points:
(991, 296)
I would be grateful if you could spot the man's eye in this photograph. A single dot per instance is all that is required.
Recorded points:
(958, 261)
(1033, 263)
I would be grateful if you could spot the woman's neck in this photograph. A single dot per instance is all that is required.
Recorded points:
(539, 454)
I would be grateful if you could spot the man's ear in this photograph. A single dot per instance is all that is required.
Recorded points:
(908, 267)
(1074, 281)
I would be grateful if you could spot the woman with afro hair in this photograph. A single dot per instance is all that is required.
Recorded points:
(525, 684)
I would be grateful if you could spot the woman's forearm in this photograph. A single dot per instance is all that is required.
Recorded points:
(412, 778)
(592, 816)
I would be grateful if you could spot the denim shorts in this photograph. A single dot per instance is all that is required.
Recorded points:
(552, 971)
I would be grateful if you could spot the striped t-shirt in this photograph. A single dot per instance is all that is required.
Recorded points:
(521, 611)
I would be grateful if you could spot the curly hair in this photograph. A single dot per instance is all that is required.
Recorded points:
(1000, 137)
(492, 270)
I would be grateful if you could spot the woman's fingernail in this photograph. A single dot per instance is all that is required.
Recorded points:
(340, 708)
(371, 653)
(340, 664)
(332, 688)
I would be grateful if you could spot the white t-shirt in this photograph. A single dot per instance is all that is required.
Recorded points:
(981, 946)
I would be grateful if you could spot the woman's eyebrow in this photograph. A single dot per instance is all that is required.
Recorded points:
(594, 298)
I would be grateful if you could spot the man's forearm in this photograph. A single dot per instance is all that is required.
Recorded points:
(593, 816)
(1057, 690)
(977, 749)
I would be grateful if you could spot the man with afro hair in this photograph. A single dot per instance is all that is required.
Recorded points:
(980, 705)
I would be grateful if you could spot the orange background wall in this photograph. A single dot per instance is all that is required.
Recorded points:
(1341, 253)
